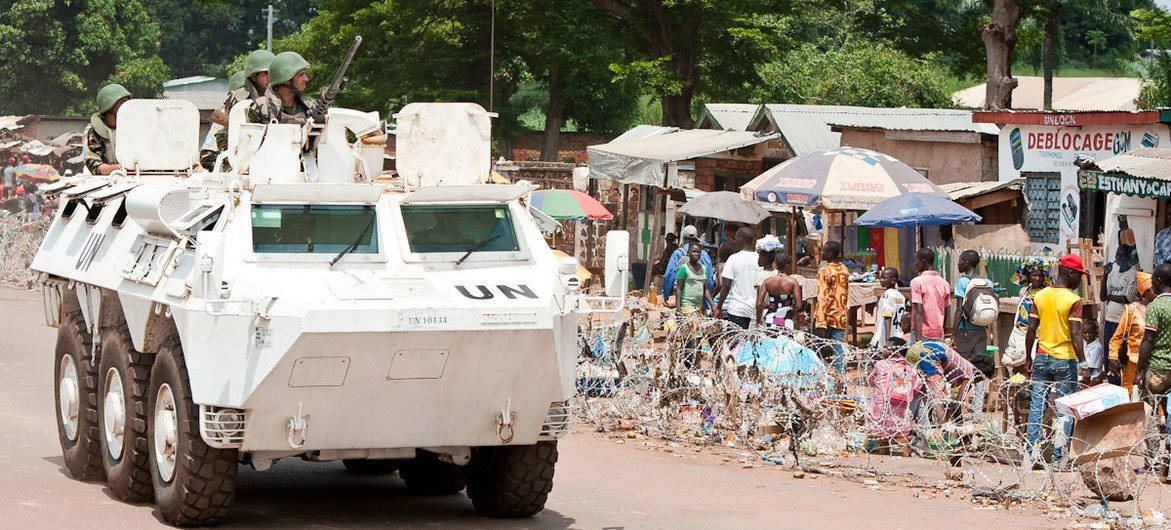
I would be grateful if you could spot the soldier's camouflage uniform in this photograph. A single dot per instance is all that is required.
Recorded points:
(216, 141)
(99, 145)
(268, 107)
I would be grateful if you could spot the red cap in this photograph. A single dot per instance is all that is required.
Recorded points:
(11, 160)
(19, 191)
(1072, 262)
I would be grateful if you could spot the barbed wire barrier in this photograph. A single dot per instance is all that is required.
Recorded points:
(775, 396)
(19, 240)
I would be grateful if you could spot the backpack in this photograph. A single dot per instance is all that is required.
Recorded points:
(981, 305)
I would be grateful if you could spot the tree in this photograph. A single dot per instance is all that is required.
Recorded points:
(1096, 38)
(685, 42)
(863, 72)
(999, 36)
(54, 56)
(1154, 26)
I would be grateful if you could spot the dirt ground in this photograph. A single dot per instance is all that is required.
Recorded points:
(603, 480)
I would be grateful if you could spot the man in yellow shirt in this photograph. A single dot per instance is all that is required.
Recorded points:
(1128, 336)
(1054, 321)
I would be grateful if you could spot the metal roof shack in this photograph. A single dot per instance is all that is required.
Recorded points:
(1142, 173)
(996, 202)
(726, 116)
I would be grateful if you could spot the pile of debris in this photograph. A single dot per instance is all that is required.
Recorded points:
(19, 241)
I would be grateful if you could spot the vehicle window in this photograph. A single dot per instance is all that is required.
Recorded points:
(459, 228)
(303, 228)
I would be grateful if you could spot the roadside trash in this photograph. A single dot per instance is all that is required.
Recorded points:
(1091, 400)
(1103, 446)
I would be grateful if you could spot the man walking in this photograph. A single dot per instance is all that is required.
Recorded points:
(738, 281)
(930, 296)
(833, 293)
(1054, 322)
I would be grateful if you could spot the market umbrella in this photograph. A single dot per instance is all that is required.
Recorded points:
(725, 205)
(40, 172)
(846, 178)
(569, 204)
(915, 209)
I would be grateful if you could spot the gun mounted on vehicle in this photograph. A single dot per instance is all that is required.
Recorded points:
(321, 108)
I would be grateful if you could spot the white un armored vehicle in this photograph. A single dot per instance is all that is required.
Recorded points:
(295, 306)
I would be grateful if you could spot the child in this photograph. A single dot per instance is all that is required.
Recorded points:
(1090, 372)
(892, 305)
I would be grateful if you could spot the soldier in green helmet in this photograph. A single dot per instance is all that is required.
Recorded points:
(256, 67)
(285, 101)
(99, 134)
(217, 134)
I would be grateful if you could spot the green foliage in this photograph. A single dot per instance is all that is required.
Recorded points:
(862, 72)
(199, 37)
(651, 77)
(1152, 25)
(1156, 89)
(54, 55)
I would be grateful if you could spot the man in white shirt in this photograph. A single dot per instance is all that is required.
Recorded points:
(737, 281)
(889, 313)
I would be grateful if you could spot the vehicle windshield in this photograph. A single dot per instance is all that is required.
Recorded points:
(459, 228)
(315, 229)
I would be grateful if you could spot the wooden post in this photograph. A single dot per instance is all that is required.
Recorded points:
(793, 242)
(658, 204)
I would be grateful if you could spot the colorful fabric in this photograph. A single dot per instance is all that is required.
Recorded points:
(934, 357)
(1130, 331)
(931, 291)
(1021, 276)
(691, 285)
(1163, 246)
(1054, 308)
(1024, 308)
(890, 240)
(1159, 322)
(833, 292)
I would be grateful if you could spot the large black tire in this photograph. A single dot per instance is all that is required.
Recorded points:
(203, 484)
(427, 475)
(370, 467)
(512, 481)
(128, 472)
(82, 453)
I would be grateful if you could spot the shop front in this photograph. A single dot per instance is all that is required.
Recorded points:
(1048, 149)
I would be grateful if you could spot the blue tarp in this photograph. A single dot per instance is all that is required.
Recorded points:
(784, 360)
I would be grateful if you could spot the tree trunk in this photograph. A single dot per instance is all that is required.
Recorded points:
(1048, 51)
(999, 37)
(554, 116)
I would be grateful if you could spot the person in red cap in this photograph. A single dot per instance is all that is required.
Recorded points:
(1054, 321)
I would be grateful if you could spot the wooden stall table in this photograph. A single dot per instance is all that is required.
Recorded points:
(858, 295)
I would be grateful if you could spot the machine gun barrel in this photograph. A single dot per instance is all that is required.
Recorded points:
(331, 92)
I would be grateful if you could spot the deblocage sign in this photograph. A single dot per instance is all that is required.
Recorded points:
(1041, 148)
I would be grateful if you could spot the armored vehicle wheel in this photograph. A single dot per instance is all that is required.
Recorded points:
(428, 475)
(77, 414)
(370, 467)
(193, 484)
(122, 376)
(512, 481)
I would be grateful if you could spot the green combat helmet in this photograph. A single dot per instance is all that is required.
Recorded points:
(257, 61)
(284, 66)
(109, 95)
(236, 81)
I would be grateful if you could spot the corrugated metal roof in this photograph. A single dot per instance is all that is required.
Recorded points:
(644, 161)
(1149, 162)
(202, 100)
(904, 119)
(643, 131)
(11, 123)
(1069, 93)
(734, 116)
(962, 190)
(806, 128)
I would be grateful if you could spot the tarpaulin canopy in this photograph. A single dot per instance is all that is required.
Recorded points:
(646, 160)
(726, 206)
(1143, 172)
(847, 178)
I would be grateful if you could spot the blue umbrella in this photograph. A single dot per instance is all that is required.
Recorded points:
(915, 209)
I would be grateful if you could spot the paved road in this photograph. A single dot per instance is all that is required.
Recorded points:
(599, 483)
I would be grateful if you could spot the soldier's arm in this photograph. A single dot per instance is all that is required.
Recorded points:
(94, 154)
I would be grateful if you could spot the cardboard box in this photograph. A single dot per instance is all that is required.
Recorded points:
(1092, 400)
(1118, 431)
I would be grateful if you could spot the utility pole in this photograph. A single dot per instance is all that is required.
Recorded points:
(492, 58)
(269, 11)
